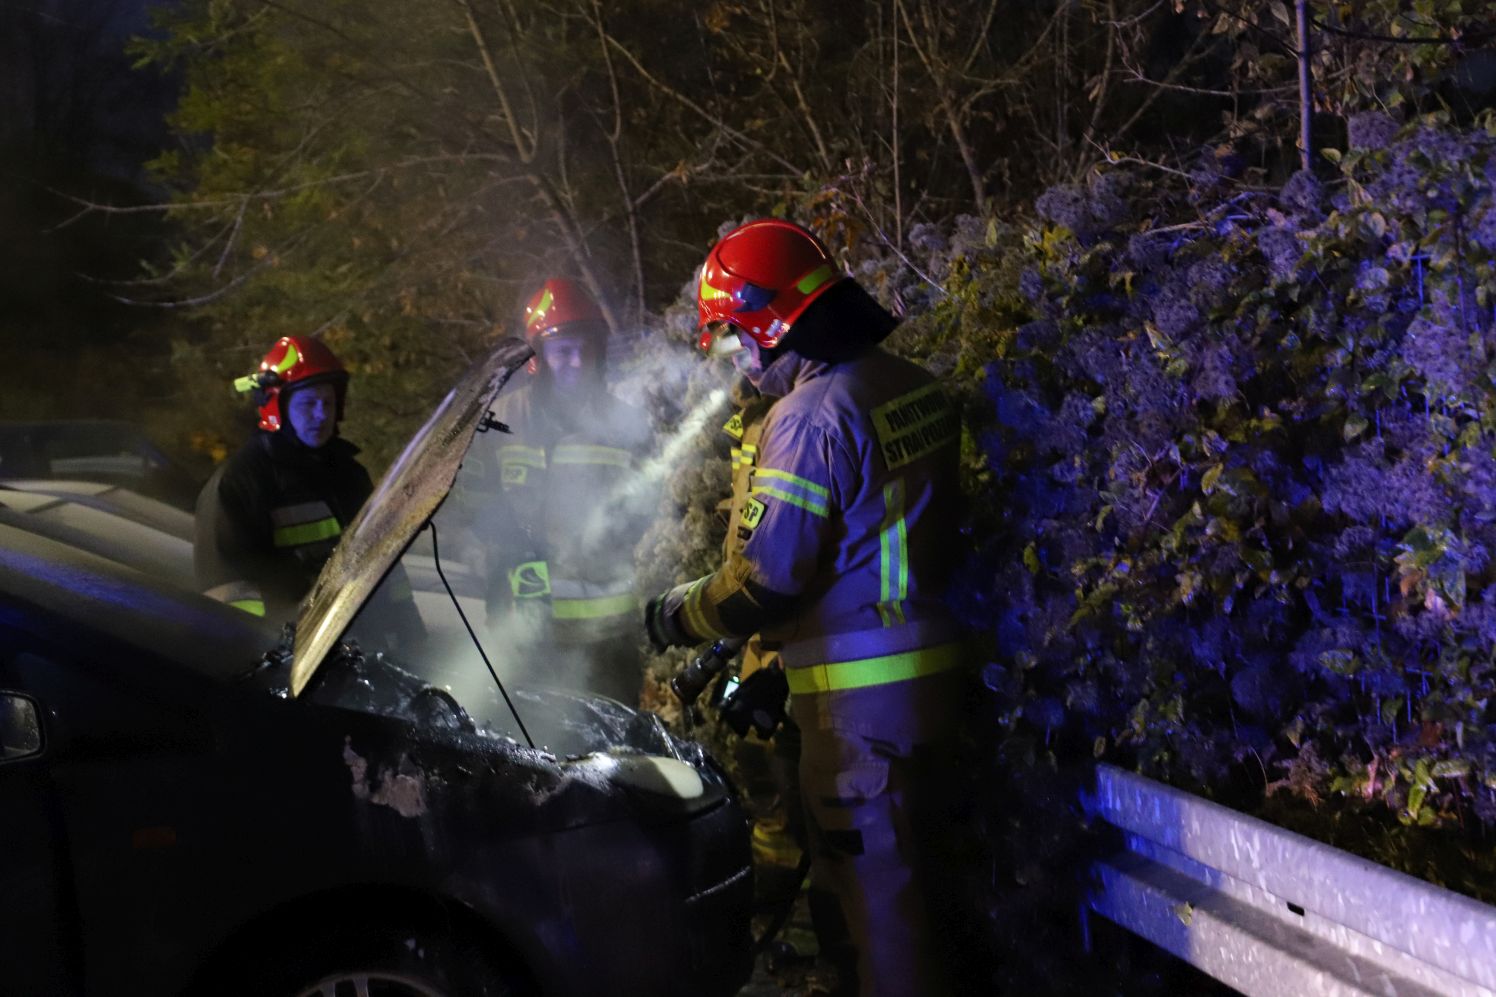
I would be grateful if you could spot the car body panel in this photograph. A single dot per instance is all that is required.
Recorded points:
(105, 525)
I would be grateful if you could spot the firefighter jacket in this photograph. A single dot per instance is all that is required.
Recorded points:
(848, 538)
(270, 516)
(563, 506)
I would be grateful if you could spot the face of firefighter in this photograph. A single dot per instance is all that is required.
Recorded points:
(749, 360)
(574, 363)
(312, 413)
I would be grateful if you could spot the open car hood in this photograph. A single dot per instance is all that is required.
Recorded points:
(407, 496)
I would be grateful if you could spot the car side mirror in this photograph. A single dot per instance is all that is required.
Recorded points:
(20, 727)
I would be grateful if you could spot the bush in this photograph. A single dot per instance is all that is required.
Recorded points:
(1234, 476)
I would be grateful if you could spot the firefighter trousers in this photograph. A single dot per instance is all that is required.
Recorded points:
(876, 814)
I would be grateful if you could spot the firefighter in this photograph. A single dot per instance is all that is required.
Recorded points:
(570, 505)
(850, 530)
(270, 516)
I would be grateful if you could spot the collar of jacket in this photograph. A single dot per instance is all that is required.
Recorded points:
(283, 445)
(788, 371)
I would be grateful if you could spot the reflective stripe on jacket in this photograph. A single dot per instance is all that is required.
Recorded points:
(851, 519)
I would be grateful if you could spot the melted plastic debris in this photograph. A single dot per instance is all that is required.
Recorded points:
(402, 789)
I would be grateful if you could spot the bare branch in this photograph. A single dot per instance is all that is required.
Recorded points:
(690, 104)
(524, 150)
(953, 119)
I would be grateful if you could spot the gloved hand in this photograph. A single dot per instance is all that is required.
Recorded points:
(661, 626)
(757, 704)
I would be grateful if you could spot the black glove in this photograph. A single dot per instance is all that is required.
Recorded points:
(661, 627)
(757, 704)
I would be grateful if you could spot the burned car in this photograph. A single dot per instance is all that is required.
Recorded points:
(194, 800)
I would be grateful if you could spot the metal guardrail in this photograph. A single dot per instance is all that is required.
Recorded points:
(1270, 912)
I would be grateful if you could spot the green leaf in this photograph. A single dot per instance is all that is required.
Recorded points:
(1416, 796)
(1355, 425)
(1210, 477)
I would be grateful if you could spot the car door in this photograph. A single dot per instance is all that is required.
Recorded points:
(129, 766)
(38, 918)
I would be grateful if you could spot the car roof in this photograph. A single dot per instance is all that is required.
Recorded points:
(128, 606)
(158, 554)
(113, 499)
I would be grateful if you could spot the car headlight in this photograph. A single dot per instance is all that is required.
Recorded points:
(666, 777)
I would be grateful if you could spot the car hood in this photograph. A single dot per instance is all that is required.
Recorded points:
(407, 496)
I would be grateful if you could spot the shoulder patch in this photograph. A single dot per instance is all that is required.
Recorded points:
(734, 427)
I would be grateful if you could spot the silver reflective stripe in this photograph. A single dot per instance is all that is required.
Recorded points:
(584, 453)
(566, 588)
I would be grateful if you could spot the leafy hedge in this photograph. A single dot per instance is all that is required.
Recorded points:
(1241, 471)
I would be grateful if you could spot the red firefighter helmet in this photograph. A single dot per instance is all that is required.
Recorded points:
(294, 361)
(760, 277)
(560, 306)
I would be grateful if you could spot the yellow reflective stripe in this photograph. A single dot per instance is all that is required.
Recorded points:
(254, 607)
(591, 609)
(579, 453)
(814, 279)
(537, 315)
(289, 360)
(514, 453)
(707, 292)
(809, 505)
(893, 548)
(744, 456)
(695, 615)
(798, 482)
(305, 533)
(875, 671)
